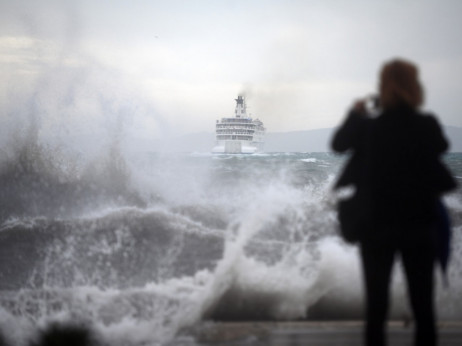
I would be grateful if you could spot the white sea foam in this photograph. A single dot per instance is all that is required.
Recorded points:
(311, 159)
(248, 237)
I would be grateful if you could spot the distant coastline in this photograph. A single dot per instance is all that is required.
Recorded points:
(316, 140)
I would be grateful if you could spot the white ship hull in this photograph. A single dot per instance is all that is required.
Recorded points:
(239, 134)
(235, 147)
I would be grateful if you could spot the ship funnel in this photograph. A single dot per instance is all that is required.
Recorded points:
(240, 107)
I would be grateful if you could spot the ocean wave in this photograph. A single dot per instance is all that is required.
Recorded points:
(145, 246)
(310, 160)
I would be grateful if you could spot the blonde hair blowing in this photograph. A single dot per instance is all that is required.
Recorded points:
(399, 85)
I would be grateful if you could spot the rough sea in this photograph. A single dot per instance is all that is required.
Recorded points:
(147, 248)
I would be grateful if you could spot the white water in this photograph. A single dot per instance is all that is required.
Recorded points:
(275, 255)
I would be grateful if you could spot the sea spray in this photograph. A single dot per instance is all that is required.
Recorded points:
(243, 287)
(98, 227)
(223, 238)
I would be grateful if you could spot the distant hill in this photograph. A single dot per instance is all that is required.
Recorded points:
(454, 135)
(299, 141)
(319, 140)
(296, 141)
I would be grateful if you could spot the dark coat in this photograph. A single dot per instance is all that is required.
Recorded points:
(395, 165)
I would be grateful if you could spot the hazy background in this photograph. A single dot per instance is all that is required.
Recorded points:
(157, 70)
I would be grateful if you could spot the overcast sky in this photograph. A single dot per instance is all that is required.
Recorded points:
(172, 67)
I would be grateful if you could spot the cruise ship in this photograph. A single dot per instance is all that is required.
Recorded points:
(239, 134)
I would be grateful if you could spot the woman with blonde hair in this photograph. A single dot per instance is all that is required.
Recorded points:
(399, 178)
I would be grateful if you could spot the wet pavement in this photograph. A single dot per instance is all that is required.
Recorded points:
(309, 333)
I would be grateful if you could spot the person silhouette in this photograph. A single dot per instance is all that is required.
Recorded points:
(397, 170)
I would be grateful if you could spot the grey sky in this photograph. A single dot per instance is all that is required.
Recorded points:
(170, 67)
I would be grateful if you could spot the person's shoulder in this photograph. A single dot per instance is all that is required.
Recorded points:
(433, 132)
(428, 116)
(429, 119)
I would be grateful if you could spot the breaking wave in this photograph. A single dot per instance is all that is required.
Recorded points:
(143, 247)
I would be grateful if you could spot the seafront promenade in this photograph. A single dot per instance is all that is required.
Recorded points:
(342, 333)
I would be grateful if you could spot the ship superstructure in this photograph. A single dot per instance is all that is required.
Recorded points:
(239, 134)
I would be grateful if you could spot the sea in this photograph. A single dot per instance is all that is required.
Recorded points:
(147, 248)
